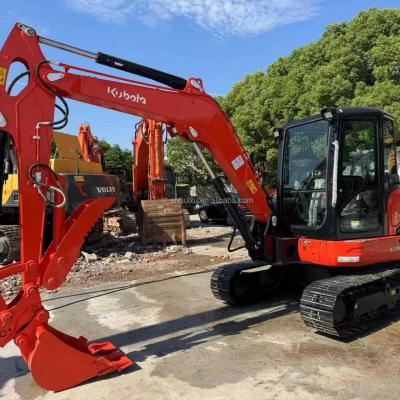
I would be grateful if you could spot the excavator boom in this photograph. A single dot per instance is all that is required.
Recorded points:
(191, 113)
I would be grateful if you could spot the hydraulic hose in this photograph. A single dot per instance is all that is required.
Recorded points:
(39, 185)
(64, 120)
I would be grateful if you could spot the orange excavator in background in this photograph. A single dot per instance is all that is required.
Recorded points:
(118, 219)
(160, 220)
(333, 227)
(148, 169)
(89, 144)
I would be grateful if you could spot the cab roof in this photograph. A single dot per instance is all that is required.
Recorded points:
(345, 111)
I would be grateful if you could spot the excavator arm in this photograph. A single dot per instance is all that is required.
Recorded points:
(59, 361)
(148, 170)
(89, 144)
(140, 167)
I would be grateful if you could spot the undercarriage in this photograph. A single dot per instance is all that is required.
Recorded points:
(343, 305)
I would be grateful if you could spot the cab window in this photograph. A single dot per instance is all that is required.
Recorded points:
(359, 179)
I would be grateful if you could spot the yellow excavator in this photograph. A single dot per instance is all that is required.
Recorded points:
(79, 161)
(67, 159)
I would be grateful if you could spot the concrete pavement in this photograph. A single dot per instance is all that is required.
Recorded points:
(188, 345)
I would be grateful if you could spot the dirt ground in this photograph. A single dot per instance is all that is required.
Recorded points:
(117, 258)
(187, 345)
(123, 258)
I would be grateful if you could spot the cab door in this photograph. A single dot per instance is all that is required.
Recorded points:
(391, 177)
(360, 196)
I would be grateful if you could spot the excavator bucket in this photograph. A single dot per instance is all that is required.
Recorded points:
(59, 361)
(161, 222)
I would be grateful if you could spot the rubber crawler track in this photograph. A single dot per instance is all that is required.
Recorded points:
(234, 287)
(221, 282)
(322, 303)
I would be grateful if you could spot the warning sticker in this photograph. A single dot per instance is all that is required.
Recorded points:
(237, 162)
(3, 76)
(251, 185)
(79, 178)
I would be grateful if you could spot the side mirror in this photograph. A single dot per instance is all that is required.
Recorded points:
(330, 114)
(278, 133)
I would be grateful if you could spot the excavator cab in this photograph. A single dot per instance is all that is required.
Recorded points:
(338, 175)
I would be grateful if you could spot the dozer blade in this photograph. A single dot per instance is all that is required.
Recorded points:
(59, 361)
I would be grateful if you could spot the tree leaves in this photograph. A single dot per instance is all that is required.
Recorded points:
(187, 166)
(117, 160)
(353, 64)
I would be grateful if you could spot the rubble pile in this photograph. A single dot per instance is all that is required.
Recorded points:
(116, 256)
(119, 255)
(111, 251)
(10, 287)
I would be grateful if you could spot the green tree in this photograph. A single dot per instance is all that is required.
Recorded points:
(353, 64)
(116, 159)
(186, 164)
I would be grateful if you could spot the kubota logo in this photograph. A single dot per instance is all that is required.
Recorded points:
(136, 98)
(105, 189)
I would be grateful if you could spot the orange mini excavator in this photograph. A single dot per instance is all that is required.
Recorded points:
(160, 220)
(333, 227)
